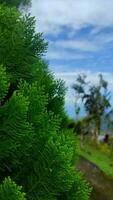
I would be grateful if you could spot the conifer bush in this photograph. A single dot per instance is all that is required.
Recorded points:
(34, 151)
(16, 3)
(10, 191)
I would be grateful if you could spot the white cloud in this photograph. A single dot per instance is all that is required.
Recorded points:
(53, 15)
(103, 38)
(60, 54)
(91, 44)
(83, 45)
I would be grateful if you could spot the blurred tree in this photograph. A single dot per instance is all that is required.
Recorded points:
(96, 98)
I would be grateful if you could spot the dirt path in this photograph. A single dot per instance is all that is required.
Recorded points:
(102, 185)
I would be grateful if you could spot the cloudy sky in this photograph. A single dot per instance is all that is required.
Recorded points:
(80, 36)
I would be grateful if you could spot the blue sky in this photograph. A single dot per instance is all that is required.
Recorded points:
(80, 36)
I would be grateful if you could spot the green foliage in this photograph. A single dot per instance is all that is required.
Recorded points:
(20, 46)
(16, 3)
(15, 132)
(10, 191)
(34, 151)
(4, 85)
(21, 51)
(40, 155)
(81, 188)
(51, 169)
(56, 97)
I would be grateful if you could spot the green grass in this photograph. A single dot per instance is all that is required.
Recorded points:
(99, 155)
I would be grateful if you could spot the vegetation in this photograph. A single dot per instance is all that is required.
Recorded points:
(95, 98)
(16, 3)
(99, 154)
(10, 191)
(35, 150)
(96, 101)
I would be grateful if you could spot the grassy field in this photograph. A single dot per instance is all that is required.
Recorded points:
(99, 154)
